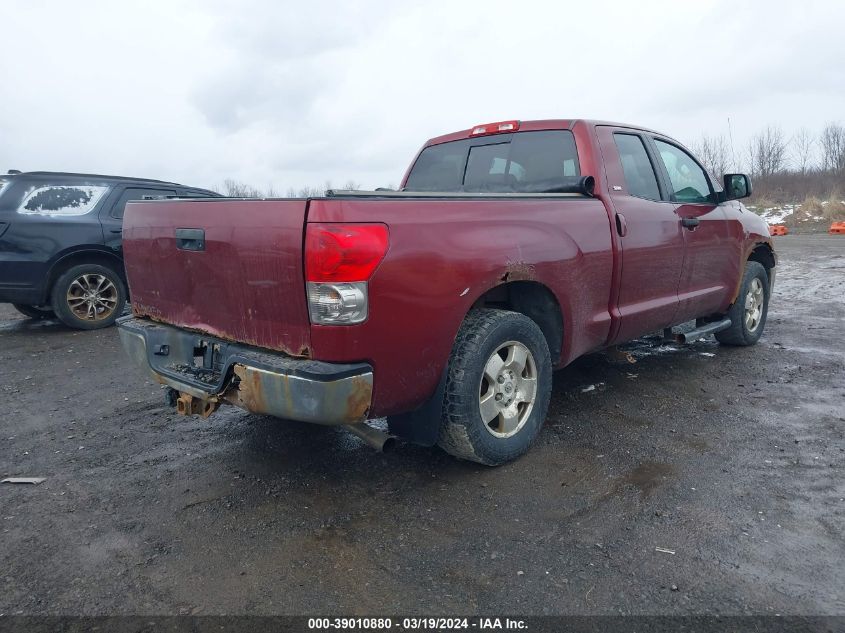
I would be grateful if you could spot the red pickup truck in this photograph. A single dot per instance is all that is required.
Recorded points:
(510, 249)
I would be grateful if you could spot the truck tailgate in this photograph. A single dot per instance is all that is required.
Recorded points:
(235, 271)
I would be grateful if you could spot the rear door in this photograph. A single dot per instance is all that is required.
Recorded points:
(709, 260)
(231, 268)
(111, 216)
(652, 246)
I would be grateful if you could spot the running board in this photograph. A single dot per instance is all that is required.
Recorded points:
(710, 328)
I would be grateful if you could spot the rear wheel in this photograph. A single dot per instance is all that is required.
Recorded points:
(35, 312)
(89, 296)
(498, 388)
(748, 312)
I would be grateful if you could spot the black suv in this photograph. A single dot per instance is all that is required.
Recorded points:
(60, 247)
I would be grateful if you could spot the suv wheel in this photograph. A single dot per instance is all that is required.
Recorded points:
(748, 312)
(89, 297)
(498, 388)
(35, 312)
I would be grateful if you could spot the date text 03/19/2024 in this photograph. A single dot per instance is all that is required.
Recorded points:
(416, 624)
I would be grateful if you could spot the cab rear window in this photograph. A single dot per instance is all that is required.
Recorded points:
(525, 162)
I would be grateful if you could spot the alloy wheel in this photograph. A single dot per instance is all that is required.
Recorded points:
(508, 389)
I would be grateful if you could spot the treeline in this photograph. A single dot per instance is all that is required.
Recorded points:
(785, 169)
(235, 189)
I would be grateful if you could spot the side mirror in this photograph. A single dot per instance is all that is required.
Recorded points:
(737, 186)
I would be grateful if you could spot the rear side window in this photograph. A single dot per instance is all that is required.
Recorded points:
(640, 178)
(526, 162)
(62, 200)
(138, 194)
(687, 177)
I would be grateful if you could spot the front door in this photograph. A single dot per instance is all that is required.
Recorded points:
(709, 263)
(649, 233)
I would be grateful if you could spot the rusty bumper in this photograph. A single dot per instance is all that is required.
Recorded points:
(207, 372)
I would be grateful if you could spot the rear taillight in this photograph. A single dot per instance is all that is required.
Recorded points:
(339, 259)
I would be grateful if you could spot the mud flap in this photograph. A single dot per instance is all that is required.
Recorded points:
(422, 425)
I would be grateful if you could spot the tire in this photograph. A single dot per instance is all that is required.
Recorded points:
(748, 312)
(477, 386)
(89, 296)
(35, 312)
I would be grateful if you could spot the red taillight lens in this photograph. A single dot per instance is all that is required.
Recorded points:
(343, 252)
(499, 127)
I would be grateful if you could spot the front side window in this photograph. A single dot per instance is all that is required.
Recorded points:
(525, 162)
(640, 178)
(688, 178)
(62, 200)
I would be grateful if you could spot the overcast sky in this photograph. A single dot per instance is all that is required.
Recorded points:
(298, 93)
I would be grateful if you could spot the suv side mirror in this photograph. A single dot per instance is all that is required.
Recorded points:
(737, 186)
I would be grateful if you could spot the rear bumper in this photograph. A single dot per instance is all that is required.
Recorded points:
(213, 371)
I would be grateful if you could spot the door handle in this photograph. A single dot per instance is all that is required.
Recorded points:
(690, 223)
(621, 225)
(190, 239)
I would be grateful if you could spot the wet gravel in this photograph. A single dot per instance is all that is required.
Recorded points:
(701, 479)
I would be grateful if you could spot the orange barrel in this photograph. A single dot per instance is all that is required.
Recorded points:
(837, 228)
(778, 229)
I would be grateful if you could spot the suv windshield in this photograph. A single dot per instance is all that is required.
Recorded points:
(525, 162)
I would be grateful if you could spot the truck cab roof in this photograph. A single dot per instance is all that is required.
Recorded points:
(534, 125)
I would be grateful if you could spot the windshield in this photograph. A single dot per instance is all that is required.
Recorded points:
(525, 162)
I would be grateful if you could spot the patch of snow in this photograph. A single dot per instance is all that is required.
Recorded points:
(776, 215)
(589, 388)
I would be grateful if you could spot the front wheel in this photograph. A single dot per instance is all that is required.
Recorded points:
(498, 388)
(89, 297)
(35, 312)
(748, 312)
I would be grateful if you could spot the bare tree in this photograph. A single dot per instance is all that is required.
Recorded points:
(234, 189)
(767, 152)
(803, 150)
(715, 154)
(307, 192)
(832, 141)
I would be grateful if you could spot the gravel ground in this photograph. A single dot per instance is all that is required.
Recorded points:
(702, 479)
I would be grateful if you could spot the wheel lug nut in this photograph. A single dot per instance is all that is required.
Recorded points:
(501, 379)
(499, 397)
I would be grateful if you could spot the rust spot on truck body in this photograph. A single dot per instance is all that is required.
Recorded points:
(358, 402)
(247, 392)
(518, 271)
(303, 352)
(289, 397)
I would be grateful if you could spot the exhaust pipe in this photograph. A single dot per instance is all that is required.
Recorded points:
(710, 328)
(379, 440)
